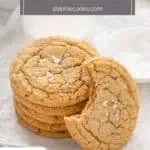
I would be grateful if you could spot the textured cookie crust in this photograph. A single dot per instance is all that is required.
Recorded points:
(48, 72)
(39, 117)
(41, 132)
(110, 115)
(38, 124)
(50, 111)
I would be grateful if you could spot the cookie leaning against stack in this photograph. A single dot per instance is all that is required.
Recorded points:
(110, 115)
(49, 83)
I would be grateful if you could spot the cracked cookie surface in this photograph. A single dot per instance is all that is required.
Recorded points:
(48, 72)
(110, 115)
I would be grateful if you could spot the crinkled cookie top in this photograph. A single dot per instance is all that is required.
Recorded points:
(110, 115)
(49, 72)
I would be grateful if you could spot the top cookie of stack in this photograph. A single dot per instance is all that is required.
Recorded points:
(48, 83)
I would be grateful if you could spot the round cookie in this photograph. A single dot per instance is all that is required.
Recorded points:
(48, 72)
(38, 124)
(40, 117)
(41, 132)
(110, 115)
(50, 111)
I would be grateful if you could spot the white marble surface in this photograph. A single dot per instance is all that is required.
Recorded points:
(13, 134)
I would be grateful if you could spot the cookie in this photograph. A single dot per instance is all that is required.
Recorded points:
(39, 117)
(51, 111)
(48, 72)
(110, 115)
(41, 132)
(63, 41)
(38, 124)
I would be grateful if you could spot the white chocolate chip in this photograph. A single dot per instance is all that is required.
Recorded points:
(56, 60)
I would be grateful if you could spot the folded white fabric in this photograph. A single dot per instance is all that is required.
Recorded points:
(8, 16)
(8, 4)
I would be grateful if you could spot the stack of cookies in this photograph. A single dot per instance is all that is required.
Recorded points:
(53, 78)
(49, 82)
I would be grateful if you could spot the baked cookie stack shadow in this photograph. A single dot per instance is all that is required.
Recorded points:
(48, 83)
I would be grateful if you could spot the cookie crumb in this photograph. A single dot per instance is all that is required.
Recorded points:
(105, 103)
(102, 121)
(117, 118)
(49, 76)
(42, 61)
(107, 114)
(125, 87)
(115, 105)
(115, 102)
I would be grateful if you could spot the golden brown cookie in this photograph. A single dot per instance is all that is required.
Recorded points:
(38, 124)
(41, 132)
(110, 115)
(40, 117)
(51, 111)
(63, 41)
(48, 72)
